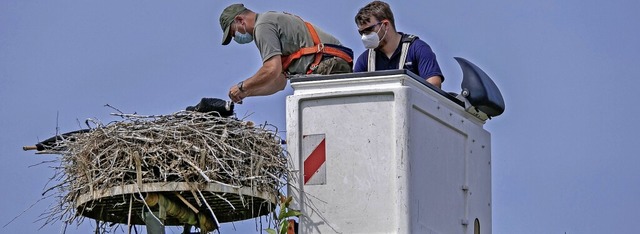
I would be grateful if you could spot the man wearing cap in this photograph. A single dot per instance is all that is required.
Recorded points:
(288, 46)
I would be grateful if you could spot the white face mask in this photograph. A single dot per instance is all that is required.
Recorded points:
(371, 40)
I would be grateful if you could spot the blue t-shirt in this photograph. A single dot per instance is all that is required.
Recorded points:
(420, 60)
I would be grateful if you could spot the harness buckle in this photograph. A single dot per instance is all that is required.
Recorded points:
(321, 47)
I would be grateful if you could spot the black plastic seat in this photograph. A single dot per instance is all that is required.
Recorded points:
(480, 90)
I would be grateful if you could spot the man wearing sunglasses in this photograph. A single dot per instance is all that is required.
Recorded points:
(388, 49)
(288, 46)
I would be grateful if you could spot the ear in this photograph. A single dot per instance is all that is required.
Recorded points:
(238, 18)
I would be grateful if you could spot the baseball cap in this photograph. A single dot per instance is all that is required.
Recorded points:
(226, 18)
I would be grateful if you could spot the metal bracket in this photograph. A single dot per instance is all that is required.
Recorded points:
(471, 109)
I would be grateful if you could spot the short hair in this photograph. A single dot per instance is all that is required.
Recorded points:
(378, 9)
(245, 12)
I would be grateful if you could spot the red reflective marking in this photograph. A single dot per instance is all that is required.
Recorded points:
(314, 161)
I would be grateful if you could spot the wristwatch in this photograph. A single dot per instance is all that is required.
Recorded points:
(239, 85)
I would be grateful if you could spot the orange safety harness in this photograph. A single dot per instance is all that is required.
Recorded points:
(318, 49)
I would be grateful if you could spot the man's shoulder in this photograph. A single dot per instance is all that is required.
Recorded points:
(272, 13)
(419, 44)
(412, 38)
(364, 56)
(281, 20)
(361, 62)
(268, 16)
(276, 15)
(408, 38)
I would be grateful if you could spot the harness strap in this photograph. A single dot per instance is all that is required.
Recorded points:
(317, 45)
(407, 39)
(371, 65)
(318, 49)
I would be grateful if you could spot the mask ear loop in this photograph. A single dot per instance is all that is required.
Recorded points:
(386, 29)
(236, 27)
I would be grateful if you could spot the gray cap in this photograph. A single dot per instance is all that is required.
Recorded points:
(226, 18)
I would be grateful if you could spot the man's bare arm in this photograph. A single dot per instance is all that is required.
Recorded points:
(268, 80)
(435, 81)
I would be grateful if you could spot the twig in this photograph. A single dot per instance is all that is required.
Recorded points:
(190, 147)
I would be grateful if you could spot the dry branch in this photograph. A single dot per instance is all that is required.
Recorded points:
(191, 147)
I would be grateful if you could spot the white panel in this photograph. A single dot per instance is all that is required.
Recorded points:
(436, 170)
(357, 129)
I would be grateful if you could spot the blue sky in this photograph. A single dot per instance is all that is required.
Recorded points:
(563, 152)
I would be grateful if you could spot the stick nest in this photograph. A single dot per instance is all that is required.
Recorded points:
(197, 148)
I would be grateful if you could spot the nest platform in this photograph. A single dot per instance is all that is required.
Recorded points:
(123, 204)
(216, 168)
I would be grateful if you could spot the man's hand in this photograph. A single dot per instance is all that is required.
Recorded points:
(236, 95)
(268, 80)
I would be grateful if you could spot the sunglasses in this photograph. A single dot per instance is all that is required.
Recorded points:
(369, 29)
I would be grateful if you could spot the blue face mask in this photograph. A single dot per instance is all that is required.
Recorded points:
(242, 38)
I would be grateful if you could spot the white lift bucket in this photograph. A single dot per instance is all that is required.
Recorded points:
(385, 152)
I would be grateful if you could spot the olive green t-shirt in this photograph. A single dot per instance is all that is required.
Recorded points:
(278, 33)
